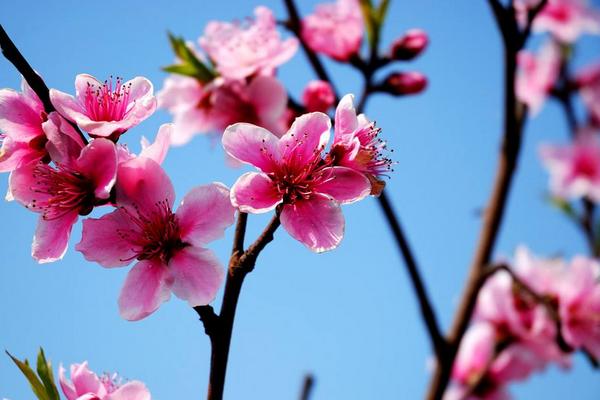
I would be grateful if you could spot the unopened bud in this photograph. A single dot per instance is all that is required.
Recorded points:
(318, 96)
(402, 83)
(410, 45)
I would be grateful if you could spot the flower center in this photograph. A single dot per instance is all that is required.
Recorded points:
(67, 191)
(105, 102)
(586, 165)
(158, 235)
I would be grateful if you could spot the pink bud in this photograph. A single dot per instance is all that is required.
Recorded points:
(401, 83)
(410, 45)
(318, 96)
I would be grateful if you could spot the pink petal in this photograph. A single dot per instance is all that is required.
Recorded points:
(98, 162)
(253, 145)
(22, 184)
(255, 193)
(345, 117)
(52, 237)
(145, 289)
(18, 119)
(268, 96)
(197, 275)
(66, 386)
(205, 213)
(64, 143)
(317, 223)
(69, 107)
(306, 139)
(133, 390)
(344, 185)
(107, 240)
(141, 98)
(85, 381)
(157, 151)
(141, 183)
(16, 154)
(82, 82)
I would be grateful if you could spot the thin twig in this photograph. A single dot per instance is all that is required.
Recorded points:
(307, 386)
(37, 84)
(438, 341)
(294, 24)
(219, 328)
(514, 117)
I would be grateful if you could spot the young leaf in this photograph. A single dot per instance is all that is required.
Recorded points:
(191, 65)
(36, 385)
(44, 370)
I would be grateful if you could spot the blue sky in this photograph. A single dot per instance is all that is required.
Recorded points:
(348, 316)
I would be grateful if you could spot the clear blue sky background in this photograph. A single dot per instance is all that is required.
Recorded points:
(348, 316)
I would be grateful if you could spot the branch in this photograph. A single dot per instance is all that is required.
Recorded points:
(307, 385)
(514, 117)
(294, 24)
(438, 341)
(531, 14)
(219, 328)
(37, 84)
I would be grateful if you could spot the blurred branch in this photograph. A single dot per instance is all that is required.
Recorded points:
(219, 327)
(514, 118)
(37, 84)
(294, 24)
(307, 386)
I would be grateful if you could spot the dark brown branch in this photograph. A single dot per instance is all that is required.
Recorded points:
(219, 328)
(514, 117)
(307, 386)
(438, 341)
(294, 24)
(531, 14)
(37, 84)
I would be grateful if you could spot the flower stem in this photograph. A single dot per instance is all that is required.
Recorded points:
(219, 328)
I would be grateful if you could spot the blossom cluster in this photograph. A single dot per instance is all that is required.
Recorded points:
(56, 172)
(537, 315)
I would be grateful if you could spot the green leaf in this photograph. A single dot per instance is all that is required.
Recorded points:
(181, 69)
(368, 14)
(565, 207)
(36, 385)
(44, 370)
(382, 12)
(191, 65)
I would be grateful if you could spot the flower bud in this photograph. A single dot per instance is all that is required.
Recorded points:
(410, 45)
(318, 96)
(402, 83)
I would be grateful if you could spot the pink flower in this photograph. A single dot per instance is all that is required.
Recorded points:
(294, 175)
(588, 81)
(475, 354)
(21, 135)
(566, 20)
(518, 316)
(335, 29)
(574, 168)
(168, 246)
(404, 83)
(240, 50)
(356, 145)
(579, 305)
(86, 385)
(318, 96)
(537, 75)
(410, 45)
(104, 110)
(156, 151)
(212, 107)
(81, 178)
